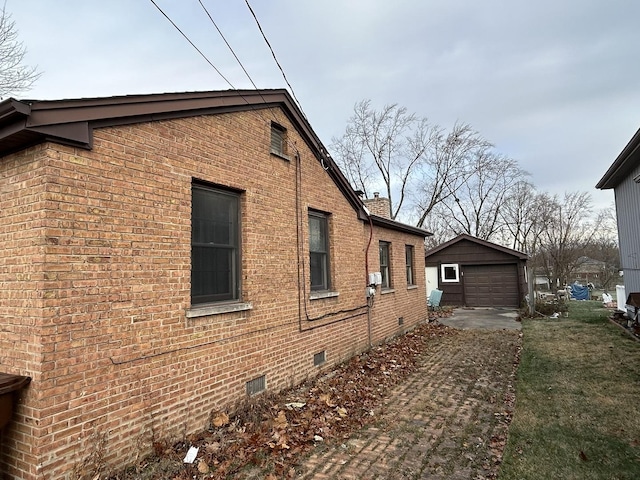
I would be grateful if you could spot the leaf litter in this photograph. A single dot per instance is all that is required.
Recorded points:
(266, 436)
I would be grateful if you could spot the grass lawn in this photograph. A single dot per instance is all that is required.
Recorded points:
(577, 413)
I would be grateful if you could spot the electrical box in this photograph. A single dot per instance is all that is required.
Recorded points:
(370, 292)
(375, 278)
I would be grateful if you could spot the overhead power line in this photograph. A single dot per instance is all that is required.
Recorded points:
(229, 46)
(253, 107)
(193, 45)
(274, 56)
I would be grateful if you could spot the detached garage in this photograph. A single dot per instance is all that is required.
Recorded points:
(476, 273)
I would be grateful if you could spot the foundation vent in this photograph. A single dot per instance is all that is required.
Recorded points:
(256, 385)
(319, 358)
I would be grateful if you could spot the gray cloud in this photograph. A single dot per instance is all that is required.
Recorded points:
(551, 84)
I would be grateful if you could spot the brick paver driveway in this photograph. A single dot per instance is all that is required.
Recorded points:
(448, 420)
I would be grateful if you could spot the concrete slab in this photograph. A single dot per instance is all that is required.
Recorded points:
(484, 318)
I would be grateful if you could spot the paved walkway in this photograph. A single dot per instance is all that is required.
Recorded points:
(447, 421)
(483, 318)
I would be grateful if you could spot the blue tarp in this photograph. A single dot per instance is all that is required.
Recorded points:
(579, 292)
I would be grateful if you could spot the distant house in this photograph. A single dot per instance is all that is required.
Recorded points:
(476, 273)
(588, 271)
(623, 176)
(166, 255)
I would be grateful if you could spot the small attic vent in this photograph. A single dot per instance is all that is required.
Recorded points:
(278, 139)
(319, 358)
(256, 385)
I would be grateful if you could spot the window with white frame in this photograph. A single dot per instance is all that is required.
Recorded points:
(450, 272)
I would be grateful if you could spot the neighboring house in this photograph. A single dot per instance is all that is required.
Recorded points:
(164, 256)
(476, 273)
(623, 176)
(588, 271)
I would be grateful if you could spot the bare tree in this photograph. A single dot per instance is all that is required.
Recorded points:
(14, 75)
(604, 247)
(448, 165)
(525, 215)
(383, 148)
(475, 207)
(563, 242)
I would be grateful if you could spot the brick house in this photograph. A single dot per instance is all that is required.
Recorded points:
(165, 255)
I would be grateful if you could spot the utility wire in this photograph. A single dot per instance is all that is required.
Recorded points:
(274, 57)
(193, 44)
(225, 41)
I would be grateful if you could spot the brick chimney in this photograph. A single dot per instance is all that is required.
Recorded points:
(378, 205)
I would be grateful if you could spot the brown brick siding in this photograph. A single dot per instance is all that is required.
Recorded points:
(96, 279)
(401, 300)
(378, 205)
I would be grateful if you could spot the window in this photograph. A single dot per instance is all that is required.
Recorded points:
(278, 139)
(214, 245)
(385, 269)
(319, 251)
(409, 262)
(450, 272)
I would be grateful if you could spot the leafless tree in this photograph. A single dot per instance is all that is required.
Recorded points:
(604, 247)
(525, 215)
(449, 163)
(15, 77)
(563, 241)
(383, 149)
(476, 206)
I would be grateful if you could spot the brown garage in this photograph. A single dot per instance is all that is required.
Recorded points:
(476, 273)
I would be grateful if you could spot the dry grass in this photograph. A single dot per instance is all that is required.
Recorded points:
(577, 410)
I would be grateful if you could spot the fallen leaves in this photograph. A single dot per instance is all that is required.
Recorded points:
(270, 432)
(220, 419)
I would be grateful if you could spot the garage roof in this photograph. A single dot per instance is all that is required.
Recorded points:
(464, 236)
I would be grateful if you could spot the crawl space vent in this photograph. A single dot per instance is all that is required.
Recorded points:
(319, 358)
(256, 385)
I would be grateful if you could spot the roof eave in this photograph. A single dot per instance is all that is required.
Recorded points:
(622, 164)
(27, 123)
(464, 236)
(398, 226)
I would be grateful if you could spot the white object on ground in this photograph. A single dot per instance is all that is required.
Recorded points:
(191, 455)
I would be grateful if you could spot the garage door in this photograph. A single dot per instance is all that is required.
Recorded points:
(491, 285)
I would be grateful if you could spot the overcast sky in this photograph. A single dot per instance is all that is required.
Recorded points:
(553, 84)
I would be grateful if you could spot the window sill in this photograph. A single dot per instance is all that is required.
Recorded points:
(412, 287)
(217, 309)
(384, 291)
(323, 294)
(280, 155)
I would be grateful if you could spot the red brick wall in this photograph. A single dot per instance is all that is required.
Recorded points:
(22, 238)
(98, 314)
(401, 300)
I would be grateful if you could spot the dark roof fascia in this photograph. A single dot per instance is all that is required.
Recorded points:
(464, 236)
(399, 227)
(622, 165)
(72, 121)
(40, 116)
(12, 110)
